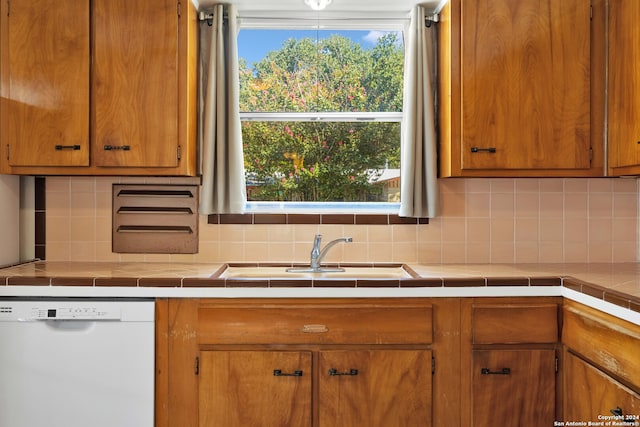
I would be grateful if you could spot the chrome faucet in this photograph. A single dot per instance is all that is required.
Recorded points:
(318, 255)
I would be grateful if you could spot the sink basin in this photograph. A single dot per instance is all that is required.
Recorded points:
(394, 271)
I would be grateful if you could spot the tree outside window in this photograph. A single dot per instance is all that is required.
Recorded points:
(321, 119)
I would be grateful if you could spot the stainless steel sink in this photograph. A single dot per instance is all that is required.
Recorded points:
(395, 271)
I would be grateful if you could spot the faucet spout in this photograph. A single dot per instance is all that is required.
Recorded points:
(315, 251)
(318, 255)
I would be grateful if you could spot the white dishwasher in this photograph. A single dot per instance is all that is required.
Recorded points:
(77, 363)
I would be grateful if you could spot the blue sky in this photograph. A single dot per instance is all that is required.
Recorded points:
(253, 45)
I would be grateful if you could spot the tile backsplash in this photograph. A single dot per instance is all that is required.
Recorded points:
(498, 220)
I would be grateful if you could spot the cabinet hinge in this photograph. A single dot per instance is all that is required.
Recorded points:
(433, 365)
(8, 7)
(179, 152)
(179, 6)
(557, 365)
(8, 151)
(590, 155)
(196, 366)
(591, 12)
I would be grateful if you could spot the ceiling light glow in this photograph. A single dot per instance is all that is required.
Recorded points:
(317, 4)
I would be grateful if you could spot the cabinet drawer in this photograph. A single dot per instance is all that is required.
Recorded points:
(606, 341)
(513, 324)
(304, 324)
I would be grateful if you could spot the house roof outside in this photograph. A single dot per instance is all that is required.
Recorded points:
(383, 175)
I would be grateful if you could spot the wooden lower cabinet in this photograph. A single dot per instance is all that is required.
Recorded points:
(602, 366)
(375, 388)
(372, 388)
(441, 362)
(509, 351)
(255, 388)
(513, 388)
(306, 362)
(591, 394)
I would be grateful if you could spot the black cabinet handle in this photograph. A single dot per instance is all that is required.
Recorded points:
(117, 147)
(617, 411)
(67, 147)
(503, 371)
(279, 373)
(351, 372)
(485, 150)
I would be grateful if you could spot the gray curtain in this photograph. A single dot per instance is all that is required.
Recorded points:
(222, 165)
(418, 181)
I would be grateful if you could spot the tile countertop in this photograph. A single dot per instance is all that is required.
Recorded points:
(614, 288)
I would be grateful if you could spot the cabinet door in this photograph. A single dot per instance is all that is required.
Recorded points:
(624, 85)
(513, 388)
(45, 82)
(375, 388)
(525, 83)
(135, 83)
(590, 393)
(244, 389)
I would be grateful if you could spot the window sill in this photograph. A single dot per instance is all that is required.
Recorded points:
(317, 213)
(311, 218)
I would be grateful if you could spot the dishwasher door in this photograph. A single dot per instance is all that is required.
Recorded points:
(70, 363)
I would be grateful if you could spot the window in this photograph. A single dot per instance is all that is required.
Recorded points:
(321, 112)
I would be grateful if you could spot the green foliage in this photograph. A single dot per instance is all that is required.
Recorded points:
(321, 161)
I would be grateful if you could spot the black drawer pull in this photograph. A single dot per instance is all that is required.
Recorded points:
(68, 147)
(117, 147)
(503, 371)
(279, 373)
(617, 411)
(483, 150)
(351, 372)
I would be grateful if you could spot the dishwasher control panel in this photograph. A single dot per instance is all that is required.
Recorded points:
(75, 313)
(89, 309)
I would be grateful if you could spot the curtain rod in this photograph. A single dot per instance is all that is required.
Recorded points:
(205, 16)
(432, 18)
(301, 15)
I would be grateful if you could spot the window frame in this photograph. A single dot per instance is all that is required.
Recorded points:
(304, 23)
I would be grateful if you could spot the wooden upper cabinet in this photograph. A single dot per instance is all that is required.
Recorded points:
(624, 87)
(103, 87)
(525, 84)
(516, 88)
(135, 83)
(45, 82)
